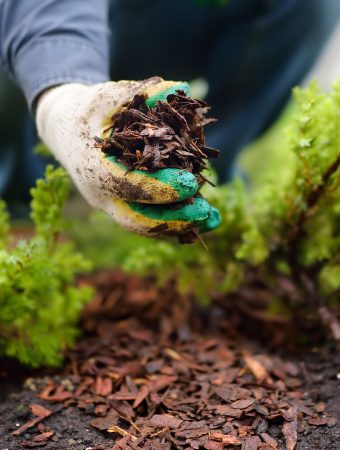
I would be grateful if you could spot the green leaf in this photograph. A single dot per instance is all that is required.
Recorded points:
(40, 303)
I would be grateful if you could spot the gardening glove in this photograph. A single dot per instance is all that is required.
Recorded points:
(71, 115)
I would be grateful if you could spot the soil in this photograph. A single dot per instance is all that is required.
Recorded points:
(160, 372)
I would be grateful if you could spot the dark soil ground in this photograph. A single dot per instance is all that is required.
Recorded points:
(160, 373)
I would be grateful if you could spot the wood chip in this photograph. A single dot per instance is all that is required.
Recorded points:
(226, 439)
(164, 384)
(251, 443)
(243, 404)
(103, 423)
(43, 437)
(168, 135)
(165, 420)
(258, 370)
(40, 411)
(289, 430)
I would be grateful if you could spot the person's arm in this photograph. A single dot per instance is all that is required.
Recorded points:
(57, 50)
(44, 43)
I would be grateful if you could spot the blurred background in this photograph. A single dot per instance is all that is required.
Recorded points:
(243, 57)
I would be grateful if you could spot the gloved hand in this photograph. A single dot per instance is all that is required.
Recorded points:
(71, 115)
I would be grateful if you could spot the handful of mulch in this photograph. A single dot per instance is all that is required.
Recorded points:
(169, 135)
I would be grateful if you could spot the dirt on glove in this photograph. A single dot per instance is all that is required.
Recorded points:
(169, 135)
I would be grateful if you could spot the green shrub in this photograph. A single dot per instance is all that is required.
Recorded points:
(284, 221)
(288, 224)
(39, 302)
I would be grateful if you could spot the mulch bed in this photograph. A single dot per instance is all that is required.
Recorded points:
(154, 371)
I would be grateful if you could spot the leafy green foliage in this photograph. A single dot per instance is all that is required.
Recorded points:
(39, 302)
(4, 224)
(286, 220)
(102, 241)
(42, 150)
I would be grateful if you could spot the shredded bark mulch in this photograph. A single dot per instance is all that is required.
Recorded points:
(156, 372)
(169, 135)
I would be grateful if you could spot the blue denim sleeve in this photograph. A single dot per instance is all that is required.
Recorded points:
(48, 42)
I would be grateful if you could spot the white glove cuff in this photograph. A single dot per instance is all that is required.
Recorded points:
(57, 116)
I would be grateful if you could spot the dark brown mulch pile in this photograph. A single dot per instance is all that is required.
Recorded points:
(169, 135)
(155, 372)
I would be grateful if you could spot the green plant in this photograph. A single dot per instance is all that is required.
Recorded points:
(39, 301)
